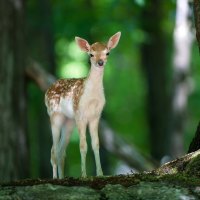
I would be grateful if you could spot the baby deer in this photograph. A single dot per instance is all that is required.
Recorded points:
(79, 100)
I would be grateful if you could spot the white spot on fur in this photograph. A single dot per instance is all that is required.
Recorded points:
(66, 106)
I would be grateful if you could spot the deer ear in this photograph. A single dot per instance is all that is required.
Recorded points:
(83, 44)
(113, 41)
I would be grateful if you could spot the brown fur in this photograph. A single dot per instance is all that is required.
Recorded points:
(98, 47)
(63, 88)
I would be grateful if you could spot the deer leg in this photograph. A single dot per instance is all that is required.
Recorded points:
(63, 143)
(93, 126)
(56, 124)
(83, 146)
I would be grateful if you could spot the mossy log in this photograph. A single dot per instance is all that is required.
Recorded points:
(179, 179)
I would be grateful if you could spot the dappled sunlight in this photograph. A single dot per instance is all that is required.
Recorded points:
(75, 53)
(72, 61)
(140, 2)
(73, 70)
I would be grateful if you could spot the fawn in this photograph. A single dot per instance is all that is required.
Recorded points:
(79, 101)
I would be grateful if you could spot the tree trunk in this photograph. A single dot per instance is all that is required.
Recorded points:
(155, 68)
(44, 134)
(13, 154)
(41, 47)
(47, 34)
(183, 39)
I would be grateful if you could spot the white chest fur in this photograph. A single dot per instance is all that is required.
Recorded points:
(92, 101)
(66, 106)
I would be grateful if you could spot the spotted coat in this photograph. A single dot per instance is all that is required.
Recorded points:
(72, 88)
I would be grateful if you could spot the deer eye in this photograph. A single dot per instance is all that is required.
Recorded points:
(91, 55)
(108, 54)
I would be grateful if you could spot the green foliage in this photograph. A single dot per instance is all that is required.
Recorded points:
(125, 85)
(70, 60)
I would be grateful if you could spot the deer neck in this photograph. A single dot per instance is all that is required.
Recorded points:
(95, 77)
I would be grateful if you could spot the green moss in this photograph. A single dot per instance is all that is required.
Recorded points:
(181, 179)
(193, 167)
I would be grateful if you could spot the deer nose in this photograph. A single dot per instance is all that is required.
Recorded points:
(100, 62)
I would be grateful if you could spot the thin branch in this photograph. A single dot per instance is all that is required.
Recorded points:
(37, 73)
(114, 144)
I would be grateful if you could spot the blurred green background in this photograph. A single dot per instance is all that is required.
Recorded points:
(139, 77)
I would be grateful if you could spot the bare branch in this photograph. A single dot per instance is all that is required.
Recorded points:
(114, 144)
(37, 73)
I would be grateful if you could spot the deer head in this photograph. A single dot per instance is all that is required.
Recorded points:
(98, 52)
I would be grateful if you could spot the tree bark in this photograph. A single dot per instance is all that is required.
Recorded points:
(155, 68)
(47, 34)
(41, 46)
(13, 153)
